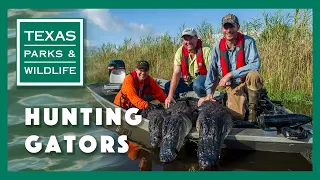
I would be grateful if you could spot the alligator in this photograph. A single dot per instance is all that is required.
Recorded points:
(176, 126)
(169, 127)
(215, 124)
(156, 118)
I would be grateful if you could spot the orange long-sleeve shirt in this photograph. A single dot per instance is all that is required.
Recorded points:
(128, 89)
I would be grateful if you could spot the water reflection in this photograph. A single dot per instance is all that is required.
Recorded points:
(231, 160)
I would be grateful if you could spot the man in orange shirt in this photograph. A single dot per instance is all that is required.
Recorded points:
(136, 86)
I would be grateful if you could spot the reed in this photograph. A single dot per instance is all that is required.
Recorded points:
(284, 43)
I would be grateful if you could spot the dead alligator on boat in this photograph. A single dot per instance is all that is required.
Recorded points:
(215, 124)
(175, 128)
(156, 118)
(169, 127)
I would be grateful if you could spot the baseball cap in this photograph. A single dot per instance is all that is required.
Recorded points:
(143, 65)
(189, 31)
(230, 18)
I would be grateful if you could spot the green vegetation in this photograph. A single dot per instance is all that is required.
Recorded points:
(284, 42)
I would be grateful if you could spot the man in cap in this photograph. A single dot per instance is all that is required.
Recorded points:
(235, 61)
(191, 61)
(136, 86)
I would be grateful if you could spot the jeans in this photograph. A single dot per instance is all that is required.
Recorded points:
(197, 86)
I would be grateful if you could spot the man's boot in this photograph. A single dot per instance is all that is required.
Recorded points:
(253, 97)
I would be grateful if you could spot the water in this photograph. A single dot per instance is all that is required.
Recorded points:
(20, 159)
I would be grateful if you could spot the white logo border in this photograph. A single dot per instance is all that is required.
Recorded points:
(19, 83)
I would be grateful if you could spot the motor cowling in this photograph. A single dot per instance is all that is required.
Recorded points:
(116, 71)
(116, 65)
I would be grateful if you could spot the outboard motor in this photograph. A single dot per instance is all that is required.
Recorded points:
(116, 71)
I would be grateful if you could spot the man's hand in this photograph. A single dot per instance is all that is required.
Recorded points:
(209, 97)
(225, 79)
(168, 101)
(201, 100)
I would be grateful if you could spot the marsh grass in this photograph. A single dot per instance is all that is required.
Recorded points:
(284, 42)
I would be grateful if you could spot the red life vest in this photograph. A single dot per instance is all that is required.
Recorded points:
(184, 62)
(239, 55)
(142, 91)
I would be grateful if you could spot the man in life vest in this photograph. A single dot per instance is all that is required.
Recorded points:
(235, 61)
(191, 61)
(136, 86)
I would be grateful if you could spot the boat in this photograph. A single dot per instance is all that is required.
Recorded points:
(245, 138)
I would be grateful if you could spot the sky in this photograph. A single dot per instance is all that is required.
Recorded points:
(114, 25)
